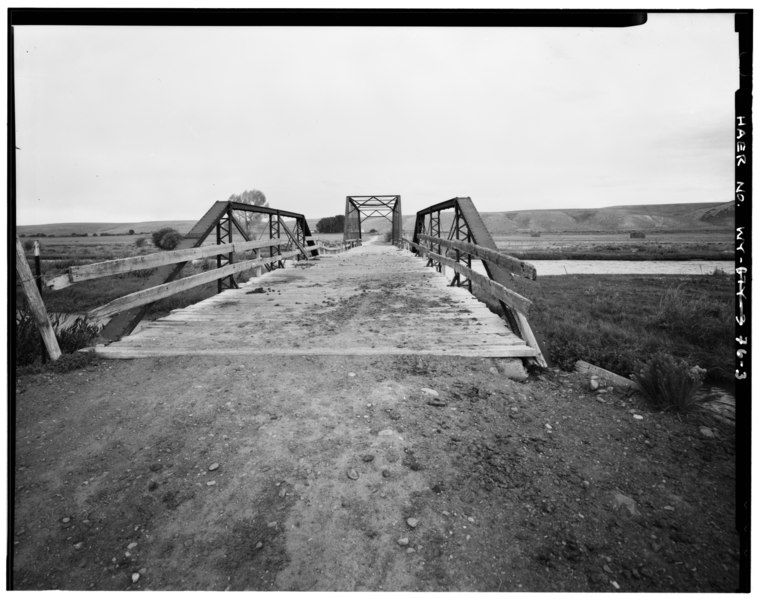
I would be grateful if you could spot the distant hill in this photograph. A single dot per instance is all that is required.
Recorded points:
(652, 217)
(64, 229)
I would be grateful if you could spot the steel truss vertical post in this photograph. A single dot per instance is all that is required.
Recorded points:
(461, 227)
(455, 230)
(277, 249)
(224, 236)
(272, 251)
(435, 219)
(397, 222)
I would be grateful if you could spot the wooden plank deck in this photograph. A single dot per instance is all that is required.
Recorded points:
(375, 299)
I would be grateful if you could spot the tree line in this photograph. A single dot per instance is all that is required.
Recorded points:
(331, 224)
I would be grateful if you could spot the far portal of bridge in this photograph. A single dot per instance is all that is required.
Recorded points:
(358, 209)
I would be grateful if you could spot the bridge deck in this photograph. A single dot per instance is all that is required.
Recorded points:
(375, 299)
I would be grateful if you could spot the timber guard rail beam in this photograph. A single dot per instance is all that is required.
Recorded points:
(468, 238)
(359, 208)
(129, 310)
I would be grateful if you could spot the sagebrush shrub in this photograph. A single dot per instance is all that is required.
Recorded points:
(166, 238)
(70, 338)
(669, 382)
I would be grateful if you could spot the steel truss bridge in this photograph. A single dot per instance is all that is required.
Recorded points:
(398, 290)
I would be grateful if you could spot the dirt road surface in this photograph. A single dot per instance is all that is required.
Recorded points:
(329, 473)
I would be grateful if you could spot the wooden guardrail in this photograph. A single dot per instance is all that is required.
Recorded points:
(499, 291)
(345, 245)
(515, 266)
(86, 272)
(147, 296)
(518, 305)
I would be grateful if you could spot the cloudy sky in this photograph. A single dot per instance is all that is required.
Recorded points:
(129, 124)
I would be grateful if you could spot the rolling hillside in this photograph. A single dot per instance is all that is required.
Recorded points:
(662, 217)
(654, 217)
(144, 228)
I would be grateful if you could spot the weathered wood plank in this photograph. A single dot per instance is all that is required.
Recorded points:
(124, 265)
(530, 338)
(518, 267)
(153, 294)
(608, 376)
(509, 297)
(36, 305)
(120, 351)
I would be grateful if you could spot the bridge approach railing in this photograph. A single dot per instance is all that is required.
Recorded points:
(468, 239)
(288, 237)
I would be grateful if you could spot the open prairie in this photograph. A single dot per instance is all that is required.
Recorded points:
(89, 249)
(678, 245)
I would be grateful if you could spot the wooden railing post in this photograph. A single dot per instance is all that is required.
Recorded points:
(38, 277)
(36, 305)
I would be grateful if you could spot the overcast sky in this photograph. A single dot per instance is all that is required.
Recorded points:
(129, 124)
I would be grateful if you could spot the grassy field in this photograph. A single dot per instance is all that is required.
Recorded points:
(89, 249)
(682, 245)
(604, 246)
(617, 321)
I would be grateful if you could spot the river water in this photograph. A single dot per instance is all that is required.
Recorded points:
(630, 267)
(546, 268)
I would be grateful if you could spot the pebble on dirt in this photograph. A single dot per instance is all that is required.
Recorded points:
(706, 432)
(433, 397)
(367, 457)
(412, 522)
(214, 466)
(135, 577)
(622, 501)
(404, 541)
(352, 474)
